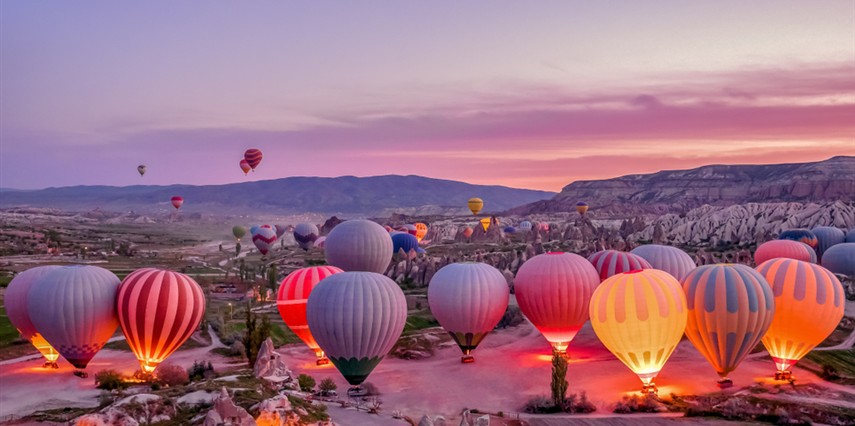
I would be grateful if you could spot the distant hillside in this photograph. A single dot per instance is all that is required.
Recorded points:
(681, 190)
(346, 194)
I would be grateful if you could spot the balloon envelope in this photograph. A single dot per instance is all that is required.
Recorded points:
(421, 231)
(666, 258)
(809, 304)
(467, 232)
(525, 226)
(840, 259)
(359, 245)
(784, 248)
(826, 237)
(468, 300)
(16, 302)
(158, 311)
(141, 169)
(406, 242)
(485, 223)
(252, 157)
(74, 307)
(245, 167)
(850, 236)
(177, 201)
(611, 262)
(305, 234)
(356, 318)
(730, 309)
(238, 232)
(582, 207)
(802, 235)
(640, 317)
(280, 230)
(263, 238)
(475, 205)
(291, 301)
(553, 291)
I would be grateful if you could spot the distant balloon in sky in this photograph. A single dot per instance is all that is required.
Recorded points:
(244, 165)
(141, 169)
(280, 230)
(666, 258)
(16, 301)
(809, 302)
(291, 301)
(158, 311)
(306, 234)
(467, 232)
(581, 207)
(640, 317)
(359, 245)
(475, 205)
(252, 157)
(553, 291)
(468, 299)
(356, 318)
(826, 237)
(802, 235)
(784, 248)
(177, 202)
(406, 242)
(525, 226)
(238, 232)
(611, 262)
(485, 223)
(74, 307)
(730, 308)
(840, 259)
(263, 238)
(421, 231)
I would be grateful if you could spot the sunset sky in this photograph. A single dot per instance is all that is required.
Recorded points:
(524, 94)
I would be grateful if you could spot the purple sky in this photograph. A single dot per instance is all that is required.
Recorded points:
(522, 94)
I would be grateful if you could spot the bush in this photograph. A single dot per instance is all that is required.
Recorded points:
(200, 371)
(172, 375)
(306, 382)
(110, 380)
(539, 404)
(512, 317)
(370, 389)
(580, 406)
(327, 386)
(635, 404)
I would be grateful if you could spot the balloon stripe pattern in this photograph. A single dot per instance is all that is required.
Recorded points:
(252, 157)
(611, 262)
(730, 309)
(15, 301)
(640, 317)
(475, 205)
(74, 307)
(263, 238)
(356, 318)
(784, 248)
(306, 234)
(292, 297)
(359, 245)
(802, 235)
(158, 311)
(666, 258)
(809, 304)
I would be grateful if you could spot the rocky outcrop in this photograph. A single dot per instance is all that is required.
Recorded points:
(719, 185)
(110, 417)
(270, 367)
(432, 421)
(226, 413)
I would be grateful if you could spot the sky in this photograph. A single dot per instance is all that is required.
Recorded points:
(524, 94)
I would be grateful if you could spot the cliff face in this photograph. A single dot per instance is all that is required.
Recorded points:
(682, 190)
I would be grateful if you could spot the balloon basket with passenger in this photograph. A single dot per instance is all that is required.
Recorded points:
(80, 373)
(784, 373)
(357, 391)
(648, 387)
(50, 364)
(724, 383)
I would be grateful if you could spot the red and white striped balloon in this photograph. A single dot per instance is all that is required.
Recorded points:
(613, 262)
(291, 301)
(158, 310)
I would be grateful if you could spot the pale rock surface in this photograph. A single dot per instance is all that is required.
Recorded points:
(270, 366)
(226, 413)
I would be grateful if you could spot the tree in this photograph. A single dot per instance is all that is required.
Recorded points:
(306, 382)
(327, 386)
(559, 379)
(272, 277)
(110, 380)
(237, 249)
(256, 333)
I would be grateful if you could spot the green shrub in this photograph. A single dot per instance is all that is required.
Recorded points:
(306, 382)
(110, 380)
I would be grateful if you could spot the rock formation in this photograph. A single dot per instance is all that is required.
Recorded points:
(226, 413)
(270, 366)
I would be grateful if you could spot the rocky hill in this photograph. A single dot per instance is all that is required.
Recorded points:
(342, 195)
(675, 191)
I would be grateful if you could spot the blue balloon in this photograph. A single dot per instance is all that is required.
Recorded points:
(827, 236)
(850, 236)
(510, 230)
(840, 259)
(406, 242)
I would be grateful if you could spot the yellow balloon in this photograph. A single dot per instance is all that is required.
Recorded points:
(475, 205)
(421, 231)
(485, 223)
(640, 317)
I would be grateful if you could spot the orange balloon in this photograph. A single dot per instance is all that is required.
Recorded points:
(421, 231)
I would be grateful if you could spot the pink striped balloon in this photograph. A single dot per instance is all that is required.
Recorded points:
(666, 258)
(158, 311)
(611, 262)
(788, 249)
(291, 301)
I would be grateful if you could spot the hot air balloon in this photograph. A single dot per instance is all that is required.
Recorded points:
(850, 236)
(253, 229)
(525, 226)
(640, 317)
(177, 202)
(356, 318)
(245, 167)
(421, 231)
(802, 235)
(158, 311)
(410, 229)
(467, 232)
(280, 230)
(291, 300)
(16, 302)
(730, 309)
(252, 157)
(475, 205)
(388, 228)
(784, 248)
(485, 223)
(74, 307)
(840, 259)
(809, 304)
(406, 242)
(581, 207)
(306, 234)
(468, 299)
(543, 226)
(319, 243)
(826, 237)
(238, 232)
(553, 291)
(666, 258)
(141, 169)
(263, 238)
(510, 230)
(611, 262)
(359, 245)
